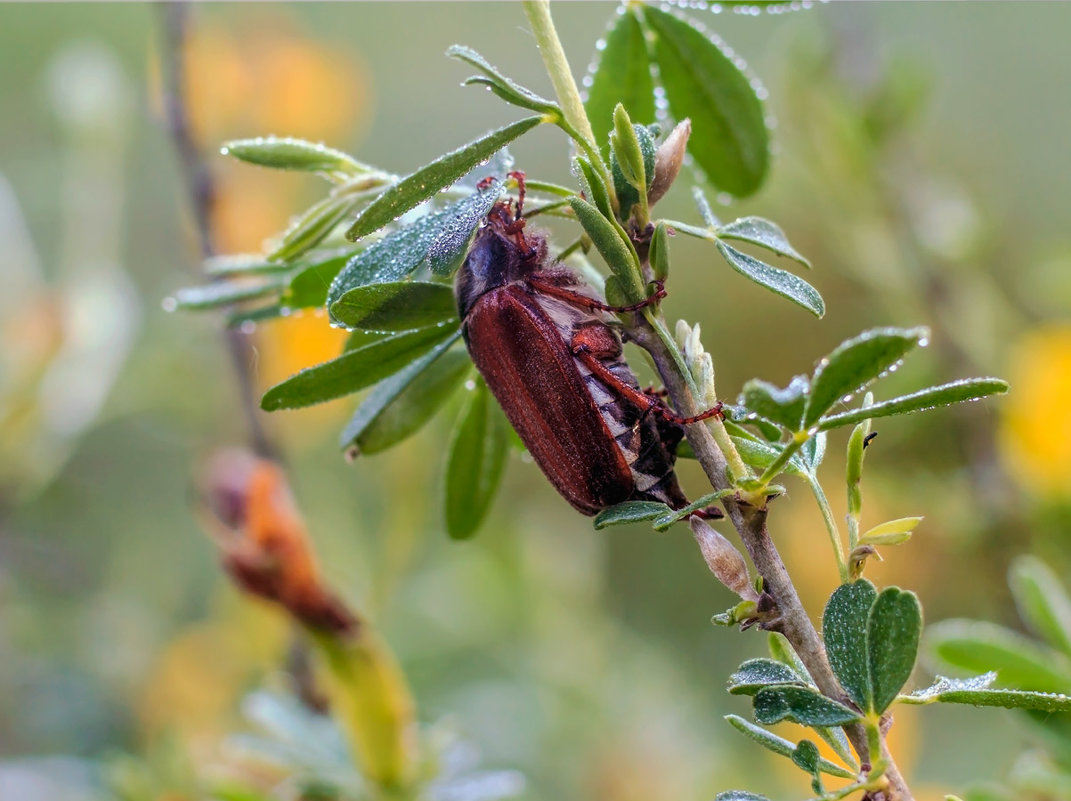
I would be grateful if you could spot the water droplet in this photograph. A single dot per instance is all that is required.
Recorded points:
(248, 327)
(470, 385)
(169, 304)
(846, 399)
(813, 431)
(600, 44)
(924, 342)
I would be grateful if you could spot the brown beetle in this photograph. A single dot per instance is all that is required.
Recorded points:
(546, 350)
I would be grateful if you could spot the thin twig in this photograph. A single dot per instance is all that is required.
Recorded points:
(202, 189)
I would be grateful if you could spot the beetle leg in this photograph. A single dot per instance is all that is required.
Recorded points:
(586, 302)
(518, 176)
(657, 393)
(587, 347)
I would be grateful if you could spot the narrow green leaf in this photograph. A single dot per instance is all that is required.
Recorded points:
(503, 86)
(1018, 661)
(285, 153)
(739, 795)
(802, 705)
(354, 370)
(754, 674)
(780, 745)
(222, 293)
(976, 691)
(398, 254)
(628, 194)
(400, 405)
(613, 249)
(242, 264)
(1042, 600)
(663, 522)
(707, 213)
(451, 244)
(309, 285)
(425, 182)
(813, 451)
(312, 227)
(967, 389)
(474, 463)
(658, 252)
(764, 233)
(780, 282)
(730, 141)
(761, 455)
(855, 363)
(893, 632)
(623, 75)
(783, 407)
(396, 306)
(629, 512)
(844, 629)
(891, 532)
(594, 187)
(781, 650)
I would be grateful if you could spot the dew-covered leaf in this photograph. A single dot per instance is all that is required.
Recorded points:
(623, 75)
(309, 285)
(1019, 662)
(398, 254)
(780, 282)
(739, 795)
(893, 632)
(802, 705)
(286, 153)
(503, 86)
(665, 521)
(1042, 601)
(844, 629)
(977, 692)
(611, 247)
(629, 512)
(855, 363)
(223, 293)
(400, 405)
(448, 249)
(764, 233)
(425, 182)
(314, 225)
(760, 455)
(754, 674)
(627, 194)
(781, 406)
(474, 464)
(396, 306)
(967, 389)
(781, 746)
(813, 451)
(730, 141)
(354, 370)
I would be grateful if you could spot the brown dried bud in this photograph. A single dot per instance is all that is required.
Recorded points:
(724, 561)
(668, 159)
(858, 557)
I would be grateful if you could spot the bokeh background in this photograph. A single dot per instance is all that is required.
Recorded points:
(922, 162)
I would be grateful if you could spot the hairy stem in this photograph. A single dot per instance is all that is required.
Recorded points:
(831, 526)
(750, 523)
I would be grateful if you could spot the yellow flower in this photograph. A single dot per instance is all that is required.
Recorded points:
(1035, 433)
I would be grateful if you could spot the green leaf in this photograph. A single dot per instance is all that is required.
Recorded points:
(893, 632)
(813, 451)
(754, 674)
(242, 264)
(977, 692)
(396, 306)
(764, 233)
(781, 650)
(400, 253)
(664, 522)
(506, 88)
(474, 463)
(781, 406)
(658, 252)
(611, 246)
(623, 75)
(761, 455)
(967, 389)
(780, 282)
(844, 629)
(425, 182)
(222, 293)
(400, 405)
(316, 224)
(594, 187)
(730, 141)
(309, 285)
(629, 512)
(739, 795)
(855, 363)
(707, 213)
(891, 532)
(451, 244)
(802, 705)
(780, 745)
(354, 370)
(1042, 601)
(628, 194)
(1018, 661)
(806, 757)
(285, 153)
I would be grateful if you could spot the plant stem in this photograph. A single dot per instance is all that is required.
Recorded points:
(750, 523)
(831, 526)
(550, 48)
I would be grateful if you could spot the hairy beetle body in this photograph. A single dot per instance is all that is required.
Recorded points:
(525, 323)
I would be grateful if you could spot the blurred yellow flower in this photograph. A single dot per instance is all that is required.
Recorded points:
(1035, 433)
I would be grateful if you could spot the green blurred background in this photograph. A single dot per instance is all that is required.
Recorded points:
(922, 155)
